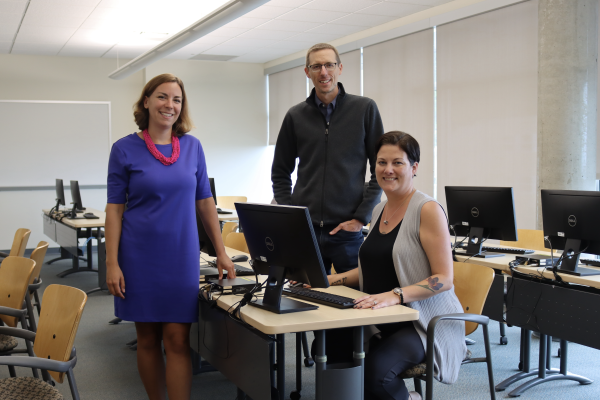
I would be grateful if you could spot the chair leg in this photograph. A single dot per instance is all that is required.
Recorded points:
(308, 361)
(72, 384)
(37, 302)
(488, 359)
(418, 386)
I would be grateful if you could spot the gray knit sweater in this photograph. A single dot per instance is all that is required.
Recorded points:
(412, 266)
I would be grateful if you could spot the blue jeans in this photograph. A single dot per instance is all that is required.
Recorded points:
(340, 249)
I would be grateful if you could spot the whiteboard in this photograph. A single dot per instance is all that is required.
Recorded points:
(45, 140)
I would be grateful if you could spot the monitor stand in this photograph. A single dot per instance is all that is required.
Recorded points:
(474, 243)
(569, 265)
(272, 300)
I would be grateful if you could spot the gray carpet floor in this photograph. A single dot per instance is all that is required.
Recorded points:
(106, 368)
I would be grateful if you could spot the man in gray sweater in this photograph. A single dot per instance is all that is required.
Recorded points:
(333, 134)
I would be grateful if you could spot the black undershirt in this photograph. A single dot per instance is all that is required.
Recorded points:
(377, 261)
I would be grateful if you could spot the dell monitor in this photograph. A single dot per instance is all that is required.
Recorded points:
(206, 245)
(212, 189)
(76, 197)
(481, 213)
(60, 194)
(571, 220)
(283, 246)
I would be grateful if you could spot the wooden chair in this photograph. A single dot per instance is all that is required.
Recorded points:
(19, 243)
(53, 345)
(33, 299)
(236, 240)
(528, 239)
(227, 202)
(228, 227)
(472, 283)
(15, 274)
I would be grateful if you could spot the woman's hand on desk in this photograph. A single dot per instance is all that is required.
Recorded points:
(376, 301)
(225, 263)
(115, 281)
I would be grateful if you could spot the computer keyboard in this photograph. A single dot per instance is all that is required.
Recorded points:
(328, 299)
(505, 250)
(587, 261)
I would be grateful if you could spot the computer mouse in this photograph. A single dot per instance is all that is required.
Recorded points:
(239, 258)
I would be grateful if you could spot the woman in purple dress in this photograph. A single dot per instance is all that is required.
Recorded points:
(152, 248)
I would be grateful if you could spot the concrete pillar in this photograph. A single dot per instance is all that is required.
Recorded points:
(567, 90)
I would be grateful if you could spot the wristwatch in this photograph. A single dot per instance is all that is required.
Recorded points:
(398, 292)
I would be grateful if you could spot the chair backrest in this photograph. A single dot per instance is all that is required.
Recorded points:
(528, 239)
(38, 255)
(236, 240)
(62, 307)
(228, 227)
(472, 283)
(20, 242)
(15, 274)
(228, 201)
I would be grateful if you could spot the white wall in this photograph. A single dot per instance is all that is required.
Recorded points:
(228, 104)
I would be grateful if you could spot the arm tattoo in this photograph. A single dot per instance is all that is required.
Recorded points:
(339, 282)
(432, 284)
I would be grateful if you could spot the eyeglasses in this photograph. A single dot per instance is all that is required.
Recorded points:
(317, 67)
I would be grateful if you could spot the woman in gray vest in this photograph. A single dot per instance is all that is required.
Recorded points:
(406, 259)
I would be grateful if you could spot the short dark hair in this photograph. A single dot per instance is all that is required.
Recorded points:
(323, 46)
(142, 117)
(404, 141)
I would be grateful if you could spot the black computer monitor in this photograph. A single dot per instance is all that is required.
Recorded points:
(60, 194)
(212, 189)
(76, 196)
(206, 245)
(571, 220)
(282, 245)
(481, 213)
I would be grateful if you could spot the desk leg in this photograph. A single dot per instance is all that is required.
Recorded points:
(320, 361)
(281, 365)
(359, 357)
(546, 374)
(295, 395)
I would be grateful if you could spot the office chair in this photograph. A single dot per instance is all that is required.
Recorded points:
(53, 346)
(33, 299)
(237, 240)
(472, 283)
(228, 202)
(15, 274)
(19, 243)
(228, 227)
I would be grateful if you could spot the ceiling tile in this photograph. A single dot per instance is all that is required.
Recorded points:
(8, 28)
(37, 49)
(396, 10)
(290, 26)
(347, 6)
(430, 3)
(5, 47)
(252, 58)
(225, 50)
(238, 41)
(288, 3)
(335, 29)
(12, 7)
(291, 47)
(266, 34)
(314, 37)
(366, 20)
(77, 50)
(303, 14)
(44, 34)
(6, 37)
(245, 22)
(268, 12)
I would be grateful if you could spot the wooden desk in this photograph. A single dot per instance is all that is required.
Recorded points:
(319, 320)
(65, 232)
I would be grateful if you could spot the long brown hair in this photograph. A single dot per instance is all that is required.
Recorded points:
(142, 117)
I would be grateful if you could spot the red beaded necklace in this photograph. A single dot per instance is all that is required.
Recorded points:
(157, 154)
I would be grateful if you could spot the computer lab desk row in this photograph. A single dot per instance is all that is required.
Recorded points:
(245, 353)
(536, 302)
